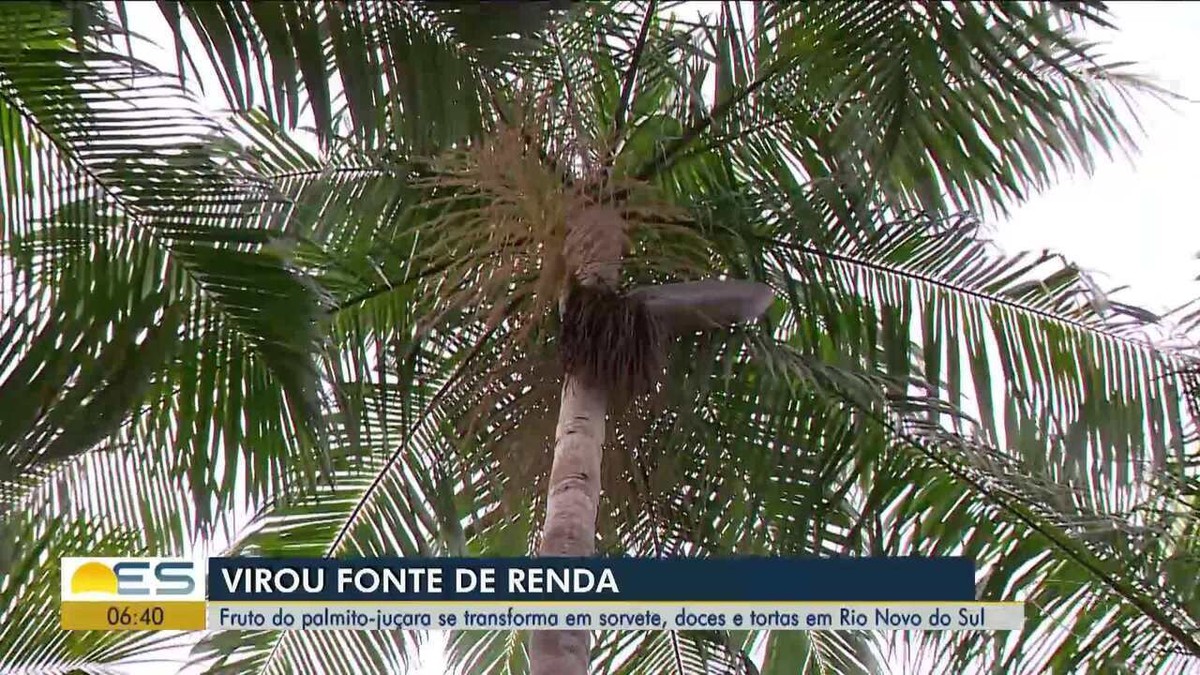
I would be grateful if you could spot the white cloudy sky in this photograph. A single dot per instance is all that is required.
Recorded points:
(1131, 222)
(1135, 221)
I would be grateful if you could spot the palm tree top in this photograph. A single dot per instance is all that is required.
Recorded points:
(215, 331)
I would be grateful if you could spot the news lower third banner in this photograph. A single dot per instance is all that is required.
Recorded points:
(528, 594)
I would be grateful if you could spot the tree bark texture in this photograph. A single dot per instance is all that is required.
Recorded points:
(571, 506)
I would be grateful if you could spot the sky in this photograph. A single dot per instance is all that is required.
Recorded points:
(1132, 222)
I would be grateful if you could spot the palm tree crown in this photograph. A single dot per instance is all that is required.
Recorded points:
(336, 319)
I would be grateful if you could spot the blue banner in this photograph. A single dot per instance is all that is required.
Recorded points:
(911, 579)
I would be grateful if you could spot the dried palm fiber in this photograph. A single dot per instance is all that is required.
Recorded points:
(606, 339)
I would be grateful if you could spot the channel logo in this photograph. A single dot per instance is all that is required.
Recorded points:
(158, 579)
(132, 594)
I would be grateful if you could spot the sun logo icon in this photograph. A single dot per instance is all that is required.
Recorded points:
(94, 577)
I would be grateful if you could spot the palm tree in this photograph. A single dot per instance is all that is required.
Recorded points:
(362, 313)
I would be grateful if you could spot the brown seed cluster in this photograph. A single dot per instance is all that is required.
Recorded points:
(610, 340)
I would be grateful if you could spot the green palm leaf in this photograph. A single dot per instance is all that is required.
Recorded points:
(214, 310)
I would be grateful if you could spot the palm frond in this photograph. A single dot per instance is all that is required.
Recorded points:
(156, 217)
(353, 66)
(388, 495)
(237, 311)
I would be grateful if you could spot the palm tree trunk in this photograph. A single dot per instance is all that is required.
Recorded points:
(571, 506)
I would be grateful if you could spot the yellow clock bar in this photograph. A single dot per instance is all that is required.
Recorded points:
(146, 615)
